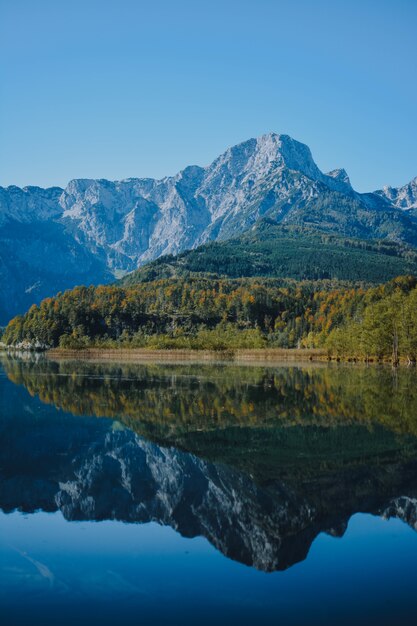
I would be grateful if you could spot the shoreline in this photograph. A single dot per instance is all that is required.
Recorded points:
(238, 356)
(231, 356)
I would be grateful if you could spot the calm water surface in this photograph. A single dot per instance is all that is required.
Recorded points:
(207, 493)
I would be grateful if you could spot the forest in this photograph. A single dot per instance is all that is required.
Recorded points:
(276, 251)
(357, 322)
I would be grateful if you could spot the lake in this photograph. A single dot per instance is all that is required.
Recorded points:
(207, 493)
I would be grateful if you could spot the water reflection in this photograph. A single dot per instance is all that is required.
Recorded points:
(257, 460)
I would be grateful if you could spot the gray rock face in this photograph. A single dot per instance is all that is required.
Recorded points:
(52, 239)
(137, 220)
(30, 204)
(340, 175)
(401, 197)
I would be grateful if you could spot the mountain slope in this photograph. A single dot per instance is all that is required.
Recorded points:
(38, 260)
(102, 228)
(273, 250)
(137, 220)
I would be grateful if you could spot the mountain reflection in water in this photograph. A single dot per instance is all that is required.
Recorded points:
(259, 460)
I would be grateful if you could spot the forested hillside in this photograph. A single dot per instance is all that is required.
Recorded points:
(201, 313)
(279, 251)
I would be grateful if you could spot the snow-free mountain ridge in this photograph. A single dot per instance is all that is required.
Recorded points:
(402, 197)
(103, 228)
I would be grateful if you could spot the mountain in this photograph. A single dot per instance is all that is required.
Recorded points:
(137, 220)
(401, 197)
(39, 259)
(38, 255)
(105, 229)
(272, 250)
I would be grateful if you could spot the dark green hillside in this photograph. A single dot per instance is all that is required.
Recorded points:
(272, 250)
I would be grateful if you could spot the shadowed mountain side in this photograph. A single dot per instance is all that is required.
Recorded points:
(40, 259)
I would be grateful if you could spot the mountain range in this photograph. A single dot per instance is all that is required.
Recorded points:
(95, 230)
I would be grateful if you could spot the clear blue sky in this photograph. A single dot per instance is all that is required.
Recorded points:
(120, 88)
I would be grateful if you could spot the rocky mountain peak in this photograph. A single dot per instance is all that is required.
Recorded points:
(339, 174)
(401, 197)
(258, 157)
(29, 204)
(290, 153)
(122, 224)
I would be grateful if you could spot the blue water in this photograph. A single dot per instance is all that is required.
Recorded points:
(54, 572)
(121, 502)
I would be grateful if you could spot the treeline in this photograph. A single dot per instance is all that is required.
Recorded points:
(183, 313)
(385, 328)
(202, 313)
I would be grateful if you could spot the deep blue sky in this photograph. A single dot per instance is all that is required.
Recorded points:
(120, 88)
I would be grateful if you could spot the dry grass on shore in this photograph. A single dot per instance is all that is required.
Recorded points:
(253, 355)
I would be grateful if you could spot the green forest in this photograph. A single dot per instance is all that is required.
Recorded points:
(358, 322)
(273, 287)
(276, 251)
